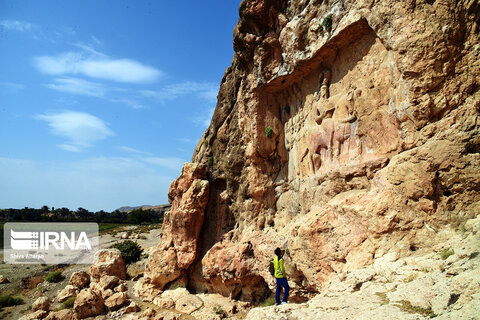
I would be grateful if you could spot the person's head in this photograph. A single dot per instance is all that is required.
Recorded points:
(278, 252)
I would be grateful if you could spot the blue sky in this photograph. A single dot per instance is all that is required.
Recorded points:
(101, 102)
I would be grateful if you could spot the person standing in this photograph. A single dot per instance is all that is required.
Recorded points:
(280, 277)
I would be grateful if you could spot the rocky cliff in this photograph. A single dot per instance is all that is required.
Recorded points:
(344, 131)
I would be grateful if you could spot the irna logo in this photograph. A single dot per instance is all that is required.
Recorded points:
(24, 240)
(50, 243)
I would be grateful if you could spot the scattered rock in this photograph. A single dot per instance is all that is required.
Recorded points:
(67, 292)
(39, 314)
(107, 294)
(65, 314)
(121, 287)
(81, 279)
(88, 303)
(116, 301)
(108, 262)
(164, 303)
(42, 303)
(149, 313)
(108, 282)
(3, 279)
(132, 307)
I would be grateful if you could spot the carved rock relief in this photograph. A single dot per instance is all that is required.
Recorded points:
(346, 120)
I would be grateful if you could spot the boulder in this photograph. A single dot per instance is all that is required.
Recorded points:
(164, 303)
(3, 279)
(188, 304)
(39, 314)
(149, 313)
(107, 294)
(108, 282)
(81, 279)
(65, 314)
(116, 301)
(121, 287)
(88, 303)
(108, 262)
(132, 307)
(67, 292)
(42, 303)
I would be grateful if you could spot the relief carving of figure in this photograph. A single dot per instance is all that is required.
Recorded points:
(336, 127)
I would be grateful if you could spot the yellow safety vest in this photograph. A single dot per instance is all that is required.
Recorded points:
(279, 267)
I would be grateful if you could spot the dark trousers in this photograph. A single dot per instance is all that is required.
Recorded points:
(282, 282)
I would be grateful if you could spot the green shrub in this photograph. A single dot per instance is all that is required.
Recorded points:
(55, 276)
(67, 304)
(218, 310)
(269, 302)
(327, 23)
(210, 161)
(8, 300)
(446, 253)
(287, 109)
(131, 251)
(268, 132)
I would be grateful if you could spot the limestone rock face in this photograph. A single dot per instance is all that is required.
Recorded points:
(181, 229)
(108, 262)
(88, 303)
(341, 129)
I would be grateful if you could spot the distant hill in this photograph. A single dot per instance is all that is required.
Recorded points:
(162, 208)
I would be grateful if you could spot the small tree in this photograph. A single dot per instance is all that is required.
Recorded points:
(327, 23)
(131, 251)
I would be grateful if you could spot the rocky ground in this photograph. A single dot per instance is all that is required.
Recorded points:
(108, 292)
(28, 281)
(441, 282)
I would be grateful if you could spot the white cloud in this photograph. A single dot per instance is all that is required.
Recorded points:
(103, 183)
(132, 150)
(16, 25)
(170, 92)
(80, 129)
(96, 65)
(78, 86)
(186, 140)
(169, 163)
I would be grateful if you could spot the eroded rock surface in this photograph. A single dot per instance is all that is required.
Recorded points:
(181, 228)
(88, 303)
(108, 262)
(423, 285)
(342, 129)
